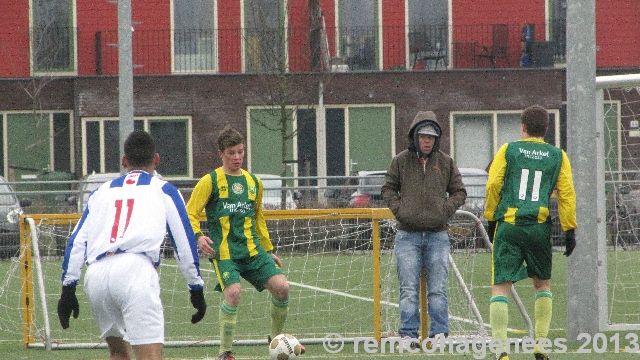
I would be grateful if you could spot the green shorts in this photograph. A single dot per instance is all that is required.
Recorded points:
(257, 270)
(520, 252)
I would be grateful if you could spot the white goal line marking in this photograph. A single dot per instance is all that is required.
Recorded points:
(469, 321)
(340, 293)
(334, 292)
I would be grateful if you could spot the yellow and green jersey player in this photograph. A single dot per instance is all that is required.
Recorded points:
(238, 241)
(522, 177)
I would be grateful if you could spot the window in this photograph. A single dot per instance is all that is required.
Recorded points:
(428, 32)
(358, 33)
(349, 133)
(34, 136)
(472, 137)
(173, 143)
(53, 36)
(477, 136)
(194, 37)
(558, 27)
(264, 32)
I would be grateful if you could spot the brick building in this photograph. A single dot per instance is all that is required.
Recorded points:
(201, 65)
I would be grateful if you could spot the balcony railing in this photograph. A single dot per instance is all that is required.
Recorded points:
(338, 49)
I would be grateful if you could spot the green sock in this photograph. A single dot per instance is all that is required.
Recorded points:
(278, 310)
(228, 319)
(499, 318)
(542, 310)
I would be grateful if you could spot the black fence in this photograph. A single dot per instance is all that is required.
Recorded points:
(250, 50)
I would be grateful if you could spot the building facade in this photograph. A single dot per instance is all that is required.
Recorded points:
(346, 74)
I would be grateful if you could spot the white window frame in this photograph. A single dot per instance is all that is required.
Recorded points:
(32, 51)
(214, 49)
(5, 139)
(494, 124)
(146, 120)
(378, 24)
(285, 42)
(320, 133)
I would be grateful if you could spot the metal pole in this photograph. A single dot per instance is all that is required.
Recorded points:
(586, 269)
(125, 72)
(321, 143)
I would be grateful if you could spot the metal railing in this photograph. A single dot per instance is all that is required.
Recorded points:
(622, 200)
(251, 50)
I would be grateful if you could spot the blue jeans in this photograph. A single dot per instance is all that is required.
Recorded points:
(416, 251)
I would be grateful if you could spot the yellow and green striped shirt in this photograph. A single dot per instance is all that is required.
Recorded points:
(233, 205)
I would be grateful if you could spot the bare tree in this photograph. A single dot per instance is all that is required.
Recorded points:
(266, 49)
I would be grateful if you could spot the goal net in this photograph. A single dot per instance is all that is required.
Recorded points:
(339, 263)
(621, 101)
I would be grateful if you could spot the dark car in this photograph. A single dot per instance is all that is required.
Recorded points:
(10, 211)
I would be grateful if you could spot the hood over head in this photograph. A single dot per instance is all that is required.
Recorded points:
(424, 122)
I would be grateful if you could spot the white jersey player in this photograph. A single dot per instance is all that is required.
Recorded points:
(118, 238)
(132, 214)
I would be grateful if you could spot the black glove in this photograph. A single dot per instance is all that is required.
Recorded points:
(491, 229)
(68, 302)
(197, 300)
(569, 242)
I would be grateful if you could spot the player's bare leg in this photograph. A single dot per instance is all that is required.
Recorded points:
(118, 348)
(278, 287)
(541, 285)
(232, 294)
(148, 351)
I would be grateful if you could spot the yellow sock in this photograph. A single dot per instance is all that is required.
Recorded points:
(278, 310)
(499, 318)
(228, 320)
(542, 310)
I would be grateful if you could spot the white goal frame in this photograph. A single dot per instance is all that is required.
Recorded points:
(604, 83)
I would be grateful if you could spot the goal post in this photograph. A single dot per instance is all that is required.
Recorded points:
(340, 265)
(618, 99)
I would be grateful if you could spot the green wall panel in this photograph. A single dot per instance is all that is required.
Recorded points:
(370, 145)
(266, 142)
(29, 143)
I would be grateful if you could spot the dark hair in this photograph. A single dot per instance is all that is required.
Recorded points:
(536, 120)
(229, 137)
(140, 149)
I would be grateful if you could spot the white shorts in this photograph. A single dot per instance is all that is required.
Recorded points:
(124, 293)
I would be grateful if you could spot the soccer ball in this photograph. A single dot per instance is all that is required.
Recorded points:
(284, 347)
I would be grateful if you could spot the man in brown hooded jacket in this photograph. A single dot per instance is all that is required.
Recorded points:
(423, 188)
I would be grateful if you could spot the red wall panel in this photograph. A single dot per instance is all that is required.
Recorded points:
(229, 45)
(473, 21)
(14, 40)
(617, 33)
(328, 8)
(299, 36)
(97, 23)
(393, 37)
(152, 45)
